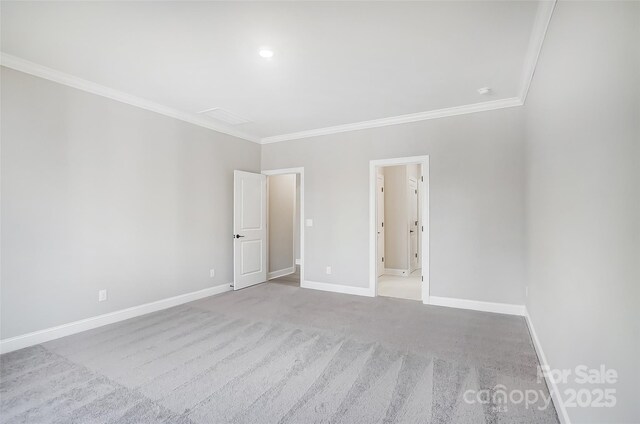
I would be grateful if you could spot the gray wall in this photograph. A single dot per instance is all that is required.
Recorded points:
(583, 213)
(477, 200)
(98, 194)
(282, 203)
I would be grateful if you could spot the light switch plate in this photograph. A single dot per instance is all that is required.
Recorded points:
(309, 222)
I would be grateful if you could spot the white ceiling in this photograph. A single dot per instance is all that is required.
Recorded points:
(334, 63)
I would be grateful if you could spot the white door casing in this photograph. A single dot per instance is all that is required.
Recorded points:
(249, 229)
(413, 224)
(423, 195)
(380, 221)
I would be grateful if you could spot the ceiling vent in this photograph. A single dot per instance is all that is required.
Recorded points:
(222, 115)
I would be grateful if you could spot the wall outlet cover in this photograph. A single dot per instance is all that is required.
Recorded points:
(212, 273)
(102, 295)
(328, 270)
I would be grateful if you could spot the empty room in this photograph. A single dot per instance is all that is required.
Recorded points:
(320, 212)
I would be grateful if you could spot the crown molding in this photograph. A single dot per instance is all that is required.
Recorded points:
(37, 70)
(536, 40)
(402, 119)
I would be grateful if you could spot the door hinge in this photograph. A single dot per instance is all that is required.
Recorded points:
(383, 259)
(423, 228)
(422, 278)
(382, 189)
(416, 255)
(383, 224)
(416, 191)
(422, 179)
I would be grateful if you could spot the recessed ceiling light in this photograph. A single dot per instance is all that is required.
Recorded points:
(484, 90)
(266, 52)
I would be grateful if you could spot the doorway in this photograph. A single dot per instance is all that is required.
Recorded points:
(251, 228)
(399, 224)
(284, 223)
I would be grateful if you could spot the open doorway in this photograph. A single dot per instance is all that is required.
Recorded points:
(284, 217)
(399, 242)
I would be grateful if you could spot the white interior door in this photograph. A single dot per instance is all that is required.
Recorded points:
(249, 229)
(380, 227)
(413, 224)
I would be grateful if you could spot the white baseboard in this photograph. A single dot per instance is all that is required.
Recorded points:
(41, 336)
(477, 305)
(337, 288)
(553, 387)
(281, 273)
(394, 271)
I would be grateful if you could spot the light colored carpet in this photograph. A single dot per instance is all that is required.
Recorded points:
(278, 354)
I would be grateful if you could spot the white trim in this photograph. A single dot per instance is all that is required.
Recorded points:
(538, 34)
(477, 305)
(41, 336)
(300, 171)
(536, 39)
(402, 119)
(31, 68)
(337, 288)
(409, 194)
(394, 271)
(281, 273)
(293, 222)
(423, 161)
(554, 390)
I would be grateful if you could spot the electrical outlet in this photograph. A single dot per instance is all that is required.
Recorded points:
(102, 295)
(212, 273)
(328, 270)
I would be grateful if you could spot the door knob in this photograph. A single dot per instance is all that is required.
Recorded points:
(238, 236)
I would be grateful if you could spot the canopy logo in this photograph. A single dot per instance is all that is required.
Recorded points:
(593, 390)
(498, 398)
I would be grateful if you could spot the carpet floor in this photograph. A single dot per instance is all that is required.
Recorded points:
(274, 353)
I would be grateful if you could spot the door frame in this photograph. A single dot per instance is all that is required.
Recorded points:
(409, 257)
(424, 213)
(378, 175)
(299, 171)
